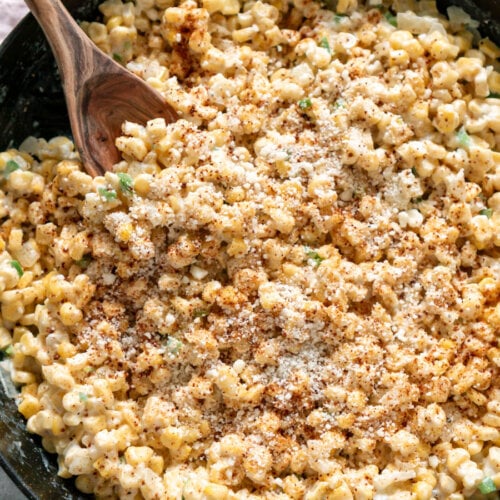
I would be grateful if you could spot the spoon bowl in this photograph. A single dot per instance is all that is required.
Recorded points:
(100, 93)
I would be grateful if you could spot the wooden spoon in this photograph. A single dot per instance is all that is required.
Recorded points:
(100, 93)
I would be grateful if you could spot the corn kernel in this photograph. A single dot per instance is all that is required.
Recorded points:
(135, 455)
(70, 314)
(15, 240)
(489, 48)
(494, 82)
(214, 491)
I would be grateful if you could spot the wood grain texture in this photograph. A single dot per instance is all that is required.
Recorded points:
(100, 94)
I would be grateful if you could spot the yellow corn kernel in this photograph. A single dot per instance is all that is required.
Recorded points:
(489, 48)
(468, 67)
(58, 426)
(54, 286)
(204, 428)
(215, 491)
(493, 316)
(142, 184)
(447, 119)
(283, 167)
(457, 457)
(290, 270)
(103, 391)
(446, 483)
(237, 247)
(489, 287)
(12, 311)
(482, 231)
(18, 333)
(227, 7)
(443, 76)
(399, 39)
(475, 447)
(422, 490)
(125, 231)
(122, 436)
(414, 49)
(171, 438)
(399, 58)
(318, 491)
(23, 377)
(70, 314)
(245, 34)
(442, 49)
(175, 203)
(494, 355)
(59, 376)
(463, 41)
(156, 129)
(30, 389)
(86, 483)
(30, 344)
(5, 338)
(427, 476)
(66, 350)
(22, 181)
(157, 464)
(79, 246)
(25, 280)
(132, 146)
(491, 420)
(268, 296)
(346, 421)
(15, 240)
(293, 487)
(182, 453)
(447, 344)
(97, 32)
(105, 467)
(235, 194)
(135, 455)
(94, 424)
(476, 397)
(342, 492)
(114, 22)
(494, 82)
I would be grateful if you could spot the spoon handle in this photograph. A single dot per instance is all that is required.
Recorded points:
(70, 45)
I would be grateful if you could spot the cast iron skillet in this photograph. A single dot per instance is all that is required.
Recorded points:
(32, 103)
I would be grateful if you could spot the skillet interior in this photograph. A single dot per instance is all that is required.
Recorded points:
(32, 103)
